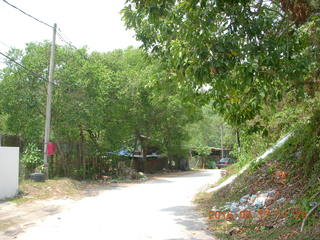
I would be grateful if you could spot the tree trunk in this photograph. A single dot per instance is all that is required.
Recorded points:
(238, 139)
(82, 158)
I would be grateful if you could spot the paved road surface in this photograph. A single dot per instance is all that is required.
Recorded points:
(159, 209)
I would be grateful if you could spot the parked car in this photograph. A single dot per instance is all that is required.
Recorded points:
(224, 162)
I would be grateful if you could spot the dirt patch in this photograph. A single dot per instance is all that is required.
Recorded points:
(6, 224)
(52, 188)
(63, 188)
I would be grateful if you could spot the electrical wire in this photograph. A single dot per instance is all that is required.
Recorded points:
(30, 71)
(4, 44)
(60, 36)
(27, 14)
(27, 70)
(69, 43)
(23, 67)
(63, 39)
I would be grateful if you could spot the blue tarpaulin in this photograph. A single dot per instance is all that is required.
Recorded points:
(122, 153)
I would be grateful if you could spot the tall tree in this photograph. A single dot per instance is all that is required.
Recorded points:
(244, 52)
(101, 102)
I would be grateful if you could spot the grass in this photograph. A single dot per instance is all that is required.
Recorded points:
(52, 188)
(299, 161)
(230, 171)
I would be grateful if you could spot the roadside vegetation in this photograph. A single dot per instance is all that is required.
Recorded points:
(249, 67)
(102, 103)
(259, 63)
(293, 171)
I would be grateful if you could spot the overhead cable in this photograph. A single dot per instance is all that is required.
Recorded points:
(27, 14)
(20, 65)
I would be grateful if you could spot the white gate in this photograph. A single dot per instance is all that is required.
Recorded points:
(9, 171)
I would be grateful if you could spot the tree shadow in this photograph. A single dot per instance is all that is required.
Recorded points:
(189, 218)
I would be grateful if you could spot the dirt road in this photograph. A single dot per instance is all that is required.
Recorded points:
(159, 209)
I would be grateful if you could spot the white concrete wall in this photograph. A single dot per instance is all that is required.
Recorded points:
(9, 171)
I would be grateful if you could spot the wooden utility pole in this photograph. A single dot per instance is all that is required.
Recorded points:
(238, 139)
(49, 96)
(221, 138)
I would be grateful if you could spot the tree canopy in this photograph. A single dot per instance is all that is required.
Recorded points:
(244, 53)
(102, 100)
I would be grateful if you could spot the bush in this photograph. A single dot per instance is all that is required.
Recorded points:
(211, 164)
(31, 158)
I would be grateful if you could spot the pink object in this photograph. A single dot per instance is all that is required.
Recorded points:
(51, 148)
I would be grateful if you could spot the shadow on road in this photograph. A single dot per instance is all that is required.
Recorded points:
(186, 216)
(158, 180)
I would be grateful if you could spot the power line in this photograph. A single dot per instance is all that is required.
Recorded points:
(20, 65)
(28, 70)
(27, 14)
(69, 43)
(4, 44)
(63, 39)
(63, 36)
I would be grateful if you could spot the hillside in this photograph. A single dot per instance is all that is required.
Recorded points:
(271, 199)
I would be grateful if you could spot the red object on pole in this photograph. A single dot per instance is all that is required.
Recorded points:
(51, 148)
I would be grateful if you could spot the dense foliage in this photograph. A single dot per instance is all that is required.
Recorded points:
(210, 130)
(246, 53)
(31, 158)
(102, 102)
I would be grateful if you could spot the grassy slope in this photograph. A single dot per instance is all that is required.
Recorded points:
(298, 159)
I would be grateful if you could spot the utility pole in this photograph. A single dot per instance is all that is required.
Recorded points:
(221, 138)
(49, 95)
(238, 139)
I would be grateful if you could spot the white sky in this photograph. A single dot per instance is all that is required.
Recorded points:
(96, 23)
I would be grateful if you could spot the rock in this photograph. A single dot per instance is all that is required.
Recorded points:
(267, 227)
(297, 154)
(282, 222)
(234, 231)
(312, 204)
(280, 200)
(223, 173)
(106, 178)
(143, 179)
(271, 193)
(293, 201)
